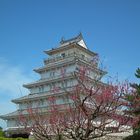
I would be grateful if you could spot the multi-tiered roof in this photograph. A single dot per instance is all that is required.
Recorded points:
(62, 60)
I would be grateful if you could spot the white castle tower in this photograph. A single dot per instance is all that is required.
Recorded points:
(55, 75)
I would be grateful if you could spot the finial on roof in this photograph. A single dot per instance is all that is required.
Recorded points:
(76, 39)
(62, 40)
(80, 35)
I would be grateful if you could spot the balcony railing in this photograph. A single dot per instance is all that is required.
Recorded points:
(58, 58)
(68, 57)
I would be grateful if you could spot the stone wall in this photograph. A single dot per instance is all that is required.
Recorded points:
(110, 138)
(102, 138)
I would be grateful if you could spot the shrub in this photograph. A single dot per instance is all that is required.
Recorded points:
(1, 132)
(133, 137)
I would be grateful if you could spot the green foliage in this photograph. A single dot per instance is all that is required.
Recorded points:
(137, 110)
(137, 86)
(134, 110)
(137, 74)
(134, 98)
(60, 137)
(1, 132)
(133, 137)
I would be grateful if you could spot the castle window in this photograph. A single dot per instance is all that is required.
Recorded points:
(63, 71)
(83, 56)
(63, 55)
(41, 88)
(64, 84)
(41, 102)
(29, 104)
(52, 73)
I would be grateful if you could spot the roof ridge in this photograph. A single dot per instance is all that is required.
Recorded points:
(74, 39)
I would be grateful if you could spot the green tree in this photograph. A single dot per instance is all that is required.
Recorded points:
(1, 132)
(134, 108)
(136, 102)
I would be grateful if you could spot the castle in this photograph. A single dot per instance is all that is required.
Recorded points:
(55, 75)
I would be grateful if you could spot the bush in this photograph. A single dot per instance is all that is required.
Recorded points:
(59, 137)
(133, 137)
(1, 133)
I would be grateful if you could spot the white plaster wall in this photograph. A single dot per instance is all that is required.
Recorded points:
(34, 104)
(67, 52)
(34, 90)
(40, 89)
(11, 123)
(23, 105)
(94, 75)
(57, 71)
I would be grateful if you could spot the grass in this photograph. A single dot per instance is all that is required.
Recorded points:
(2, 138)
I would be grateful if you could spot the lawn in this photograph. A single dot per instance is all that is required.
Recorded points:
(2, 138)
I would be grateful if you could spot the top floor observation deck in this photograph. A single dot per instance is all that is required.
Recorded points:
(71, 56)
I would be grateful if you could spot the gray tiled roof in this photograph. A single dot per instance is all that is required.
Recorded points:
(51, 79)
(21, 112)
(30, 111)
(39, 95)
(31, 96)
(15, 113)
(72, 40)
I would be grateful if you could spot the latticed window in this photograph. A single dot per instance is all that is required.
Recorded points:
(63, 55)
(52, 73)
(41, 88)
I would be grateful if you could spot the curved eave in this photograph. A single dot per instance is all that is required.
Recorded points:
(30, 85)
(15, 114)
(18, 100)
(73, 61)
(38, 96)
(99, 71)
(87, 50)
(39, 70)
(9, 115)
(3, 117)
(67, 47)
(59, 49)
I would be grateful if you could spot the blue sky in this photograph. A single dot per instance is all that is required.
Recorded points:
(28, 27)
